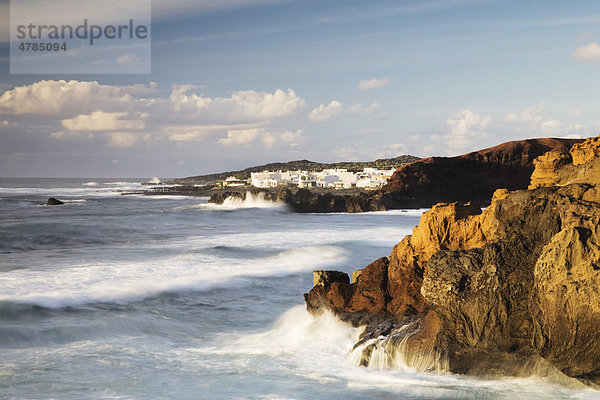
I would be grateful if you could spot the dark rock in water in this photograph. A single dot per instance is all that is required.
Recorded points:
(333, 290)
(54, 202)
(306, 201)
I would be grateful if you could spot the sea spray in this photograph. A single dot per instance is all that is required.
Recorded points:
(251, 200)
(394, 351)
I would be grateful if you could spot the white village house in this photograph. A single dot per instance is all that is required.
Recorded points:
(338, 178)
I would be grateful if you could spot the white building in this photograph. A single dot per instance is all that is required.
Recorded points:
(233, 181)
(338, 178)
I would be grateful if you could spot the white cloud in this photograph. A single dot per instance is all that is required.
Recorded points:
(532, 121)
(322, 112)
(184, 115)
(587, 52)
(63, 99)
(373, 83)
(102, 121)
(465, 126)
(350, 153)
(292, 139)
(240, 136)
(269, 139)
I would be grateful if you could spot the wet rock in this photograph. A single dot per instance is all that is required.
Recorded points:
(54, 202)
(326, 278)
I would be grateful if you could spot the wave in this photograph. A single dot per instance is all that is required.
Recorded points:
(318, 348)
(130, 281)
(90, 184)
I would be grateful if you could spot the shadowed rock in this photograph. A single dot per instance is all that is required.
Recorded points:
(54, 202)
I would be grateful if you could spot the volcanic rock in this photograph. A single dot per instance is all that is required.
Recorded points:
(469, 177)
(511, 290)
(54, 202)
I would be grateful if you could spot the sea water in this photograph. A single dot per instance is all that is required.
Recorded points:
(138, 297)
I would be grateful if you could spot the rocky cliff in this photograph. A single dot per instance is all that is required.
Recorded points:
(469, 177)
(513, 289)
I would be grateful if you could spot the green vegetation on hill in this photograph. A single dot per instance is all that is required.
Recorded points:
(383, 163)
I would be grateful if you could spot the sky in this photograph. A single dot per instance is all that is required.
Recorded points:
(236, 83)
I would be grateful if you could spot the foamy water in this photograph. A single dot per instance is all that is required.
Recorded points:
(135, 297)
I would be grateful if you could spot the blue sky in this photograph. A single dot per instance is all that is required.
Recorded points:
(236, 83)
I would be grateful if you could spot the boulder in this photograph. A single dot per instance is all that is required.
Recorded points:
(54, 202)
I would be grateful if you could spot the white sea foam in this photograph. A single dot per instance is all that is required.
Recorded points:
(90, 184)
(251, 201)
(318, 348)
(102, 282)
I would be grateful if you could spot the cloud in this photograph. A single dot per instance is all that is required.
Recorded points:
(531, 120)
(183, 115)
(465, 126)
(240, 136)
(360, 109)
(292, 139)
(242, 105)
(373, 83)
(322, 112)
(62, 99)
(102, 121)
(350, 153)
(587, 52)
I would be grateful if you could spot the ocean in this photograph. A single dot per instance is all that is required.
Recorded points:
(155, 297)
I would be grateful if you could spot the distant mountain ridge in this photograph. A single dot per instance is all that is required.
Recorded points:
(306, 165)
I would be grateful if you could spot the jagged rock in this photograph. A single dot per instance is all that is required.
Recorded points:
(586, 151)
(326, 278)
(547, 167)
(333, 290)
(54, 202)
(356, 275)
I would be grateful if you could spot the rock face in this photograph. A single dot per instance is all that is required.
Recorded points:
(54, 202)
(470, 177)
(305, 200)
(513, 289)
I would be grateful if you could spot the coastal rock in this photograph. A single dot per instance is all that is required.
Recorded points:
(333, 290)
(54, 202)
(326, 278)
(307, 201)
(469, 177)
(511, 290)
(586, 151)
(547, 167)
